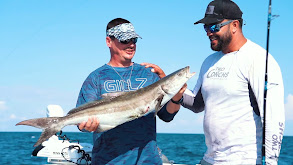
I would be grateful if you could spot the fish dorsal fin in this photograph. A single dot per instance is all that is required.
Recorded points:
(85, 106)
(106, 97)
(112, 95)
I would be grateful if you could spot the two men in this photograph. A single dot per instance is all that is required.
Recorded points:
(230, 91)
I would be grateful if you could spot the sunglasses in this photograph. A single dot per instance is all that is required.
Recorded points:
(216, 27)
(133, 40)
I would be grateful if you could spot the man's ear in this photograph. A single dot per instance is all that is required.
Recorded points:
(235, 26)
(109, 41)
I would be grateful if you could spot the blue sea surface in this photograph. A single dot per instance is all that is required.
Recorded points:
(16, 147)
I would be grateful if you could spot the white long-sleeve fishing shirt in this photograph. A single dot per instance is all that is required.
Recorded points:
(230, 90)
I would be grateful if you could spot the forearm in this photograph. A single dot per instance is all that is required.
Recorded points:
(192, 102)
(166, 116)
(173, 105)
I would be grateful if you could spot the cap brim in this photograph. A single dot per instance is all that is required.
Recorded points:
(209, 20)
(129, 36)
(134, 35)
(138, 36)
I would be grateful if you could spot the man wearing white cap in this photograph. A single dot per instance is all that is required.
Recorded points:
(133, 142)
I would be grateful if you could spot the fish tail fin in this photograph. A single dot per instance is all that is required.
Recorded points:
(50, 126)
(46, 134)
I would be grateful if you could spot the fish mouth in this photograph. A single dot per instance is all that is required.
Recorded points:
(191, 74)
(188, 74)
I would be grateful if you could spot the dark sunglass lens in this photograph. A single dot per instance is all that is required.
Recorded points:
(125, 42)
(133, 40)
(211, 28)
(206, 27)
(215, 28)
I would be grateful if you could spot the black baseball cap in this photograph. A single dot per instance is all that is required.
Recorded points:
(218, 10)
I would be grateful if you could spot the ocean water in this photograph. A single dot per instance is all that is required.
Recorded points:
(16, 147)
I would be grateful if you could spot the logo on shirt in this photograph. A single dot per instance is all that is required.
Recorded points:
(277, 139)
(121, 85)
(218, 73)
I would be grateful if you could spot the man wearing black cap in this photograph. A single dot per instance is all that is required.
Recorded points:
(230, 89)
(133, 142)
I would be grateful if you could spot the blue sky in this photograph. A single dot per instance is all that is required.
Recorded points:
(48, 48)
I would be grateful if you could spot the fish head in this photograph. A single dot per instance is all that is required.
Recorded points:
(175, 81)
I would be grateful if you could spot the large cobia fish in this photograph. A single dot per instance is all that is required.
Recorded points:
(113, 111)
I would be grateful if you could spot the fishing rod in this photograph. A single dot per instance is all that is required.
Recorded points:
(266, 83)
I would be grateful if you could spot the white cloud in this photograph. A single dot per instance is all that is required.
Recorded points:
(3, 105)
(12, 116)
(289, 107)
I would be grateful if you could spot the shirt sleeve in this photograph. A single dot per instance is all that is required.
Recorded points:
(275, 114)
(193, 102)
(88, 93)
(164, 115)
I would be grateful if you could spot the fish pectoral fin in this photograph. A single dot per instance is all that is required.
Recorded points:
(103, 128)
(166, 90)
(159, 102)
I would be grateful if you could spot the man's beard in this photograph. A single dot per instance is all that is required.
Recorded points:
(223, 41)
